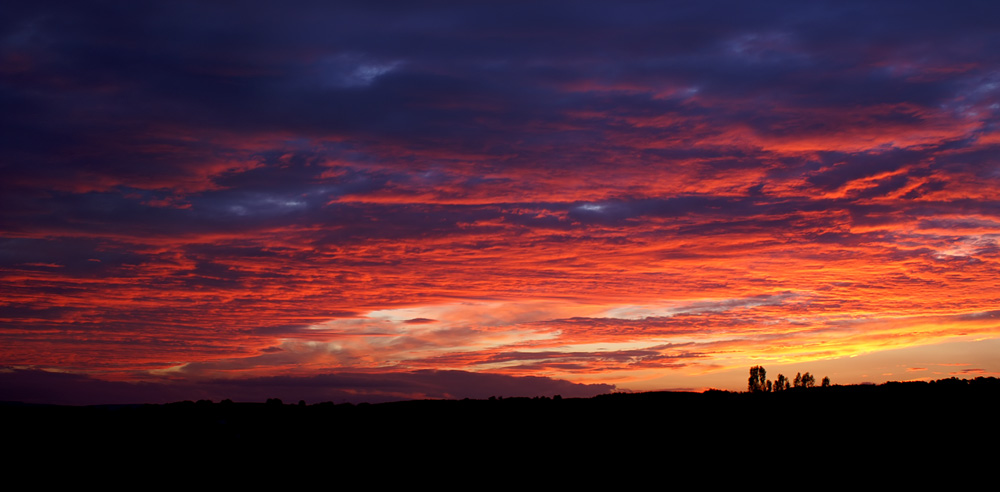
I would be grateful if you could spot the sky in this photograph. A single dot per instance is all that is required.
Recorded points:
(366, 201)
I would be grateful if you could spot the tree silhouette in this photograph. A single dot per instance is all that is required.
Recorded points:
(781, 384)
(758, 382)
(808, 381)
(826, 382)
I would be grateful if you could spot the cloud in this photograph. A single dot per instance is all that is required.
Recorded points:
(33, 386)
(979, 372)
(464, 183)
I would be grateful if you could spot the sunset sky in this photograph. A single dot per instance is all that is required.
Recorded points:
(374, 200)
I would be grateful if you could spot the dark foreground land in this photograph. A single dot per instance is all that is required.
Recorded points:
(846, 424)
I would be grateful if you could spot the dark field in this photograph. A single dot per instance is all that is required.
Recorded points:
(865, 421)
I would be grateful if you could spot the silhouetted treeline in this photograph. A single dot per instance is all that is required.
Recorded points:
(898, 415)
(758, 382)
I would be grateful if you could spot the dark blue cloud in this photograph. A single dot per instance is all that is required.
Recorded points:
(32, 386)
